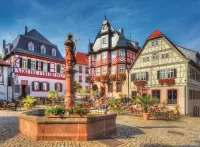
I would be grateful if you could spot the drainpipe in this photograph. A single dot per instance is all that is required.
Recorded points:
(128, 88)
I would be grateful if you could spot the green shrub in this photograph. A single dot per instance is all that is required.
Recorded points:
(55, 110)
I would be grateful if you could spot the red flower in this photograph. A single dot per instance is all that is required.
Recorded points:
(140, 83)
(168, 81)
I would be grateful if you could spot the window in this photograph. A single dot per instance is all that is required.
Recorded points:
(98, 57)
(155, 56)
(24, 63)
(80, 79)
(104, 55)
(142, 76)
(97, 71)
(45, 67)
(53, 52)
(1, 75)
(58, 87)
(121, 68)
(167, 73)
(86, 70)
(44, 86)
(122, 52)
(190, 94)
(113, 54)
(170, 73)
(33, 65)
(145, 59)
(156, 93)
(104, 70)
(104, 40)
(80, 69)
(119, 87)
(30, 46)
(162, 74)
(112, 70)
(134, 94)
(36, 86)
(152, 44)
(43, 49)
(110, 87)
(172, 96)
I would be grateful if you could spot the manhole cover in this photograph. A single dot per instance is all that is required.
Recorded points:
(110, 142)
(175, 132)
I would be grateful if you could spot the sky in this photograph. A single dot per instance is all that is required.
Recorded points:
(179, 20)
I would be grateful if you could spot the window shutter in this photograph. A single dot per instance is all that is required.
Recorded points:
(60, 87)
(29, 90)
(175, 73)
(48, 67)
(36, 65)
(132, 77)
(33, 88)
(40, 86)
(20, 62)
(58, 68)
(147, 76)
(41, 66)
(29, 63)
(158, 75)
(47, 86)
(55, 86)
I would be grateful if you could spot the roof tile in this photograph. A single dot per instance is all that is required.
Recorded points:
(81, 58)
(156, 33)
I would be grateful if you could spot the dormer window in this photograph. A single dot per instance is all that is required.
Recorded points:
(104, 40)
(53, 52)
(43, 49)
(30, 46)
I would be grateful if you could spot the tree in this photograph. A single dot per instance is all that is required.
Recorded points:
(83, 92)
(95, 93)
(53, 95)
(0, 55)
(77, 86)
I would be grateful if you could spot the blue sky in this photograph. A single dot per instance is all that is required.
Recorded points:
(179, 20)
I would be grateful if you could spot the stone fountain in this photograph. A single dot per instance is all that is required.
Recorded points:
(34, 124)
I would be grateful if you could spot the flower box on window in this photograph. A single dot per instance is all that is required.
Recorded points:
(104, 77)
(168, 81)
(98, 78)
(112, 77)
(122, 76)
(140, 83)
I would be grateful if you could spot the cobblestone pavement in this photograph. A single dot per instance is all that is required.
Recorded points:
(132, 132)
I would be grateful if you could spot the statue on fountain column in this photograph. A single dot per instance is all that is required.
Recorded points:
(70, 50)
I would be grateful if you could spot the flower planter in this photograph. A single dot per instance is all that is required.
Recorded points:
(77, 115)
(27, 107)
(140, 83)
(146, 116)
(168, 81)
(50, 115)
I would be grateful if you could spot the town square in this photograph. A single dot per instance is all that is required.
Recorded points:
(99, 73)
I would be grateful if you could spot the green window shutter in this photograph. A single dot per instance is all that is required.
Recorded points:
(48, 67)
(20, 62)
(158, 75)
(147, 76)
(132, 77)
(29, 63)
(58, 68)
(41, 66)
(175, 73)
(36, 65)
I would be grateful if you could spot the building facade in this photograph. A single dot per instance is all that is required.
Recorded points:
(36, 65)
(167, 71)
(5, 84)
(110, 56)
(82, 70)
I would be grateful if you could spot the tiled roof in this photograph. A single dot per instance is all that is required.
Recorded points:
(81, 58)
(156, 33)
(3, 62)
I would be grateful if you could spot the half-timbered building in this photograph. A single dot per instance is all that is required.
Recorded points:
(167, 71)
(110, 55)
(36, 64)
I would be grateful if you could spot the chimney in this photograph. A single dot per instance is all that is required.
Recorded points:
(121, 31)
(25, 30)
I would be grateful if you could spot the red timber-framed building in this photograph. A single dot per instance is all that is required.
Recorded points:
(36, 65)
(110, 56)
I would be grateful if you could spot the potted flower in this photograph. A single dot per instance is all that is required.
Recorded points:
(104, 78)
(78, 111)
(168, 81)
(122, 76)
(161, 82)
(145, 101)
(112, 77)
(28, 102)
(97, 78)
(140, 83)
(56, 111)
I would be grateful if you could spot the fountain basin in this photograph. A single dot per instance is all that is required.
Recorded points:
(40, 128)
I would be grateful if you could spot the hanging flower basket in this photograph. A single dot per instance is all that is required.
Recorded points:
(122, 76)
(168, 81)
(140, 83)
(112, 77)
(104, 78)
(98, 78)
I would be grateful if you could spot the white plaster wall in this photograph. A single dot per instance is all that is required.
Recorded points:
(40, 93)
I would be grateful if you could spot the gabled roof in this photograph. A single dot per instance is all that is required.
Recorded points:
(156, 33)
(81, 58)
(2, 62)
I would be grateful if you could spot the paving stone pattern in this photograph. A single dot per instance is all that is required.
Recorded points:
(132, 132)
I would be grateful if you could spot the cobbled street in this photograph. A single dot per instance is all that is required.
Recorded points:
(132, 132)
